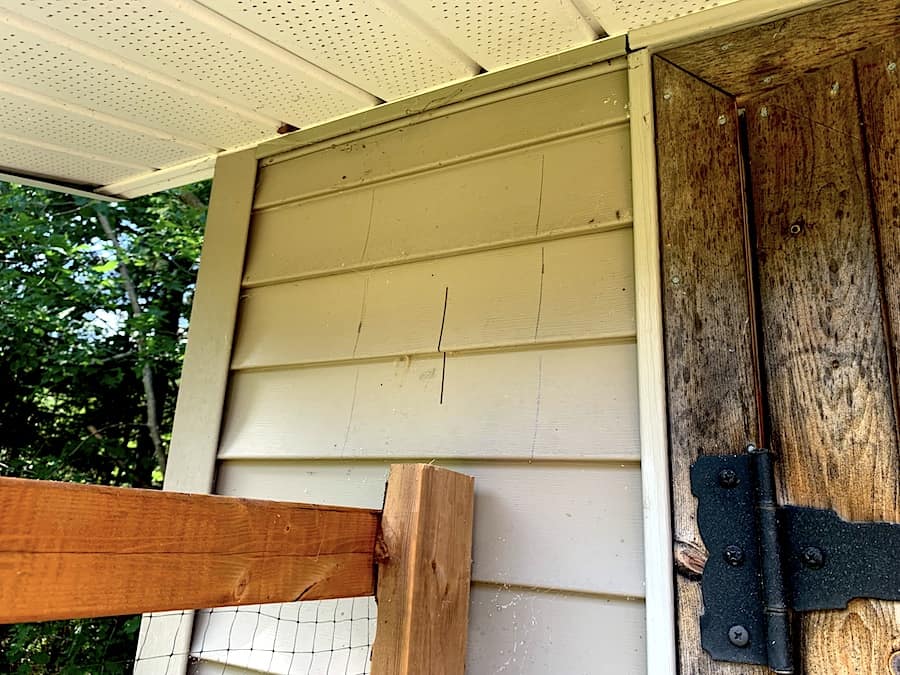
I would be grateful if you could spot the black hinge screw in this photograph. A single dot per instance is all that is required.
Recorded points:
(813, 557)
(738, 636)
(728, 478)
(734, 555)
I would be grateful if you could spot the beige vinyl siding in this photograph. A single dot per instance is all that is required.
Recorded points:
(462, 291)
(562, 402)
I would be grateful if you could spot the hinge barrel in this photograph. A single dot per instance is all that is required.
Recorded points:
(778, 629)
(766, 561)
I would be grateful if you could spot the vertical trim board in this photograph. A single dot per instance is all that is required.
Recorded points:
(657, 508)
(198, 413)
(707, 315)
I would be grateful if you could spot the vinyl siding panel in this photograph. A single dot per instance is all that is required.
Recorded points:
(545, 526)
(555, 189)
(507, 124)
(459, 290)
(568, 402)
(570, 289)
(511, 630)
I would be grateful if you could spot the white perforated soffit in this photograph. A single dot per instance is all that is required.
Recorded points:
(136, 94)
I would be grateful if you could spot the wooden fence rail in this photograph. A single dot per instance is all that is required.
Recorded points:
(73, 551)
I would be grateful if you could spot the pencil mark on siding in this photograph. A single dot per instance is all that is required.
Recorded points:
(537, 219)
(362, 314)
(537, 320)
(443, 317)
(350, 416)
(443, 377)
(537, 408)
(362, 257)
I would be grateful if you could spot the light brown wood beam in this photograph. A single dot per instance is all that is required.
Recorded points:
(70, 551)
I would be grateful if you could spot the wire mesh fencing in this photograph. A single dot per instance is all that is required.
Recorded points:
(324, 637)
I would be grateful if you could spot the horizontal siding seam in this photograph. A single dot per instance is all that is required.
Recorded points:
(553, 235)
(554, 590)
(605, 125)
(624, 460)
(629, 337)
(536, 464)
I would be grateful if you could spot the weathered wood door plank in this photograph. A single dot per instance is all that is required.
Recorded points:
(825, 350)
(711, 380)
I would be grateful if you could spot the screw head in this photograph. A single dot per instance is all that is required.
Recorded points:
(734, 555)
(728, 478)
(813, 557)
(738, 636)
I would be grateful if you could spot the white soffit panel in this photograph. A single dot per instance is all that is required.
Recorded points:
(201, 49)
(42, 64)
(131, 96)
(639, 13)
(27, 118)
(503, 32)
(365, 42)
(44, 159)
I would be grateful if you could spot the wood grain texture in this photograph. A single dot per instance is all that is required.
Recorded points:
(767, 56)
(529, 517)
(710, 378)
(71, 551)
(826, 354)
(424, 572)
(569, 402)
(570, 289)
(879, 94)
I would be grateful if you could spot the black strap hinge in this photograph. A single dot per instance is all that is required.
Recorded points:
(766, 560)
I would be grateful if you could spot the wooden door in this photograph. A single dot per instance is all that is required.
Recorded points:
(780, 222)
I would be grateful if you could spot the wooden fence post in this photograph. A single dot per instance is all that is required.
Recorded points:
(424, 572)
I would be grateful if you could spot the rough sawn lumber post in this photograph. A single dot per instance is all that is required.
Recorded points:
(424, 572)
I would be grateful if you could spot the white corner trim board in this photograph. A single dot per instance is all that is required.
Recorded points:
(165, 639)
(659, 593)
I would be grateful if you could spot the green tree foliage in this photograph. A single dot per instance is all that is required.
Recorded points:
(94, 304)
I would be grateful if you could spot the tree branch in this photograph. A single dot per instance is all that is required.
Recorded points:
(146, 371)
(191, 199)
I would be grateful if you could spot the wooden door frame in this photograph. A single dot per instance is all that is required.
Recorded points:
(706, 82)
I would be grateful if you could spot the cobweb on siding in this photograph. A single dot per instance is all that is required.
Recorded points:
(325, 637)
